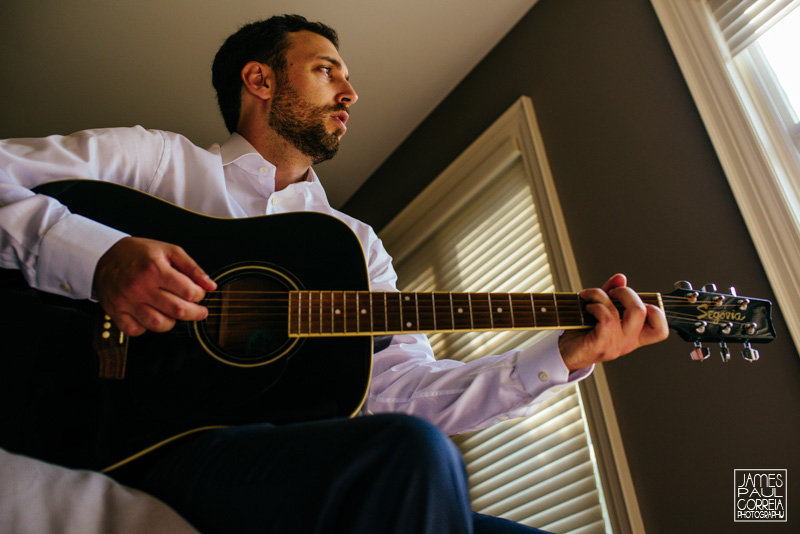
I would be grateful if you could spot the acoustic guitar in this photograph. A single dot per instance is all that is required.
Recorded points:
(289, 336)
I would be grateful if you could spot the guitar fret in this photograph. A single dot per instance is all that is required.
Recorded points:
(385, 313)
(416, 305)
(298, 299)
(452, 317)
(400, 306)
(433, 311)
(321, 313)
(511, 309)
(310, 307)
(305, 323)
(371, 322)
(300, 314)
(471, 318)
(555, 305)
(293, 296)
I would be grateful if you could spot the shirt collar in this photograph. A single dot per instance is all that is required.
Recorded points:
(237, 147)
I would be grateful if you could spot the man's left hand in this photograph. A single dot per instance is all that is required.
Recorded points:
(613, 336)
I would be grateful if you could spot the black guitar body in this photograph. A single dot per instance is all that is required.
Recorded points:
(58, 409)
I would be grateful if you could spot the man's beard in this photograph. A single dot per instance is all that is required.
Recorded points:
(302, 124)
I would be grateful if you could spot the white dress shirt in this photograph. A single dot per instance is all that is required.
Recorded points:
(57, 252)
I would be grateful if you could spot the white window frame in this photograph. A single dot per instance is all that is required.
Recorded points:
(515, 134)
(761, 172)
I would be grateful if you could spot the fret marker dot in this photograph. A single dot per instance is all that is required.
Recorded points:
(337, 311)
(408, 325)
(363, 311)
(461, 310)
(544, 310)
(407, 298)
(499, 310)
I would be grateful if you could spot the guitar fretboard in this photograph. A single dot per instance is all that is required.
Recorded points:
(352, 313)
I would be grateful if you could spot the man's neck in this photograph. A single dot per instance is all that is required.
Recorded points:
(291, 165)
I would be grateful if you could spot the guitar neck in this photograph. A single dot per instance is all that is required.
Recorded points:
(358, 313)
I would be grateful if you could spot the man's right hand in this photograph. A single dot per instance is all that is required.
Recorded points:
(147, 285)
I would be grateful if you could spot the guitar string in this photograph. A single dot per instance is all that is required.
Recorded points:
(277, 308)
(426, 314)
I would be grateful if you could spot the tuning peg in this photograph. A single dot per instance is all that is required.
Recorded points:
(710, 288)
(682, 284)
(724, 352)
(749, 353)
(700, 327)
(700, 352)
(733, 292)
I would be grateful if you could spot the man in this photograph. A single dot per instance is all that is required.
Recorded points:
(285, 95)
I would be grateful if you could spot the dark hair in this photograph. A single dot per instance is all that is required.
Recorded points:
(264, 41)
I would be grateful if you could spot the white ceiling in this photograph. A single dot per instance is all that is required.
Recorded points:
(66, 65)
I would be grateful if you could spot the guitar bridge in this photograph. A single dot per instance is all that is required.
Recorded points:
(111, 345)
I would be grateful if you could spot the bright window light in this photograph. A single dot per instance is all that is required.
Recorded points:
(780, 45)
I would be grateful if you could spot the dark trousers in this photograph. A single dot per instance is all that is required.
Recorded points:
(380, 474)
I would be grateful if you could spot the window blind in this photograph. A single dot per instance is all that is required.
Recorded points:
(743, 21)
(538, 471)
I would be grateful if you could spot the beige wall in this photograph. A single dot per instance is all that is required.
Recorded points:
(643, 193)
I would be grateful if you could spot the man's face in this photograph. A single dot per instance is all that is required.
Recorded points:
(312, 98)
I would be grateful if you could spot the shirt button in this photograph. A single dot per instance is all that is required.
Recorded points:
(274, 201)
(263, 170)
(66, 287)
(544, 377)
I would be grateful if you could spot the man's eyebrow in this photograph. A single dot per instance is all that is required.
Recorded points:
(336, 63)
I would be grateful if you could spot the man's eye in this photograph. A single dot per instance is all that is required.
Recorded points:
(326, 70)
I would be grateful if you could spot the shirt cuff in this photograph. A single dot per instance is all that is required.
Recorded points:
(540, 365)
(69, 254)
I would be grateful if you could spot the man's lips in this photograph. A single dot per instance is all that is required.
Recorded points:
(341, 117)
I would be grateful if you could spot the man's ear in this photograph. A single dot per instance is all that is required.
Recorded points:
(258, 79)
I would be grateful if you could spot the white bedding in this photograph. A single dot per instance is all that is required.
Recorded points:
(41, 498)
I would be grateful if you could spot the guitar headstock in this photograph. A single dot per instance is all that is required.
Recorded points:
(707, 316)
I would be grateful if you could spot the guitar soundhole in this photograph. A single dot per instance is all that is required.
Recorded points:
(247, 322)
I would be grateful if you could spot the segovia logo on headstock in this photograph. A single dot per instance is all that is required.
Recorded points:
(718, 316)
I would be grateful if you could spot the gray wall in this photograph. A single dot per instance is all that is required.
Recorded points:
(643, 193)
